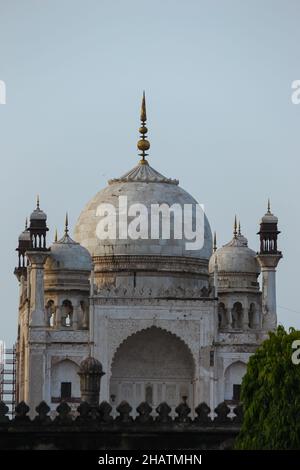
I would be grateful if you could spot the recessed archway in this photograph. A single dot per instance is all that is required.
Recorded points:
(65, 381)
(233, 379)
(152, 365)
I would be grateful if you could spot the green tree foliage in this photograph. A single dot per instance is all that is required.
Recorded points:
(271, 395)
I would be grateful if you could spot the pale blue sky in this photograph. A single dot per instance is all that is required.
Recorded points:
(218, 80)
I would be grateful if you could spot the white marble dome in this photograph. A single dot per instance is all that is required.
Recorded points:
(69, 255)
(144, 185)
(235, 257)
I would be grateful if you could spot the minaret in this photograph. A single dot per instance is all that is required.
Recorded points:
(268, 258)
(37, 256)
(36, 334)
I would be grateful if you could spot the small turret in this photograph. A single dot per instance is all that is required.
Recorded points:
(37, 256)
(24, 244)
(38, 228)
(269, 233)
(268, 258)
(90, 374)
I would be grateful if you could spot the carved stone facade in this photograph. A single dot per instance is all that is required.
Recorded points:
(166, 323)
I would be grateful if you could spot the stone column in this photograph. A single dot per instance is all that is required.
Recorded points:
(22, 288)
(37, 301)
(85, 318)
(245, 314)
(258, 317)
(37, 298)
(37, 334)
(229, 317)
(92, 280)
(75, 318)
(57, 317)
(268, 264)
(216, 280)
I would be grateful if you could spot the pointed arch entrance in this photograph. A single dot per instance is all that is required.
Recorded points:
(152, 365)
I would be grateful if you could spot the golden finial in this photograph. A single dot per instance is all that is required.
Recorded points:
(215, 242)
(269, 206)
(55, 237)
(143, 144)
(239, 230)
(143, 109)
(38, 202)
(235, 228)
(66, 224)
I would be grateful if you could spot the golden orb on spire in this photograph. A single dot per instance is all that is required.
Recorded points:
(143, 144)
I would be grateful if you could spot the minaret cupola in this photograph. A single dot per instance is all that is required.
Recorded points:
(38, 228)
(268, 233)
(24, 244)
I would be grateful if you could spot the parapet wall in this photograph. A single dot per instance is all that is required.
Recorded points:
(94, 428)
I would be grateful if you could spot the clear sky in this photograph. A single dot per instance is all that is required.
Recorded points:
(218, 77)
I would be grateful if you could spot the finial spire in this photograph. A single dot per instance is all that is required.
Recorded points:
(239, 230)
(26, 223)
(269, 206)
(235, 227)
(66, 224)
(37, 201)
(56, 236)
(143, 109)
(143, 144)
(215, 242)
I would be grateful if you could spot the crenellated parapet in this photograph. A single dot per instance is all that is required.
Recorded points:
(101, 415)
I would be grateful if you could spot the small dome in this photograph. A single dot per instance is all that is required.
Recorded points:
(67, 254)
(90, 365)
(269, 218)
(235, 257)
(25, 236)
(38, 214)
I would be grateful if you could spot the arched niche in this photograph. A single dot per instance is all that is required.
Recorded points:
(222, 315)
(65, 384)
(233, 379)
(152, 365)
(237, 316)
